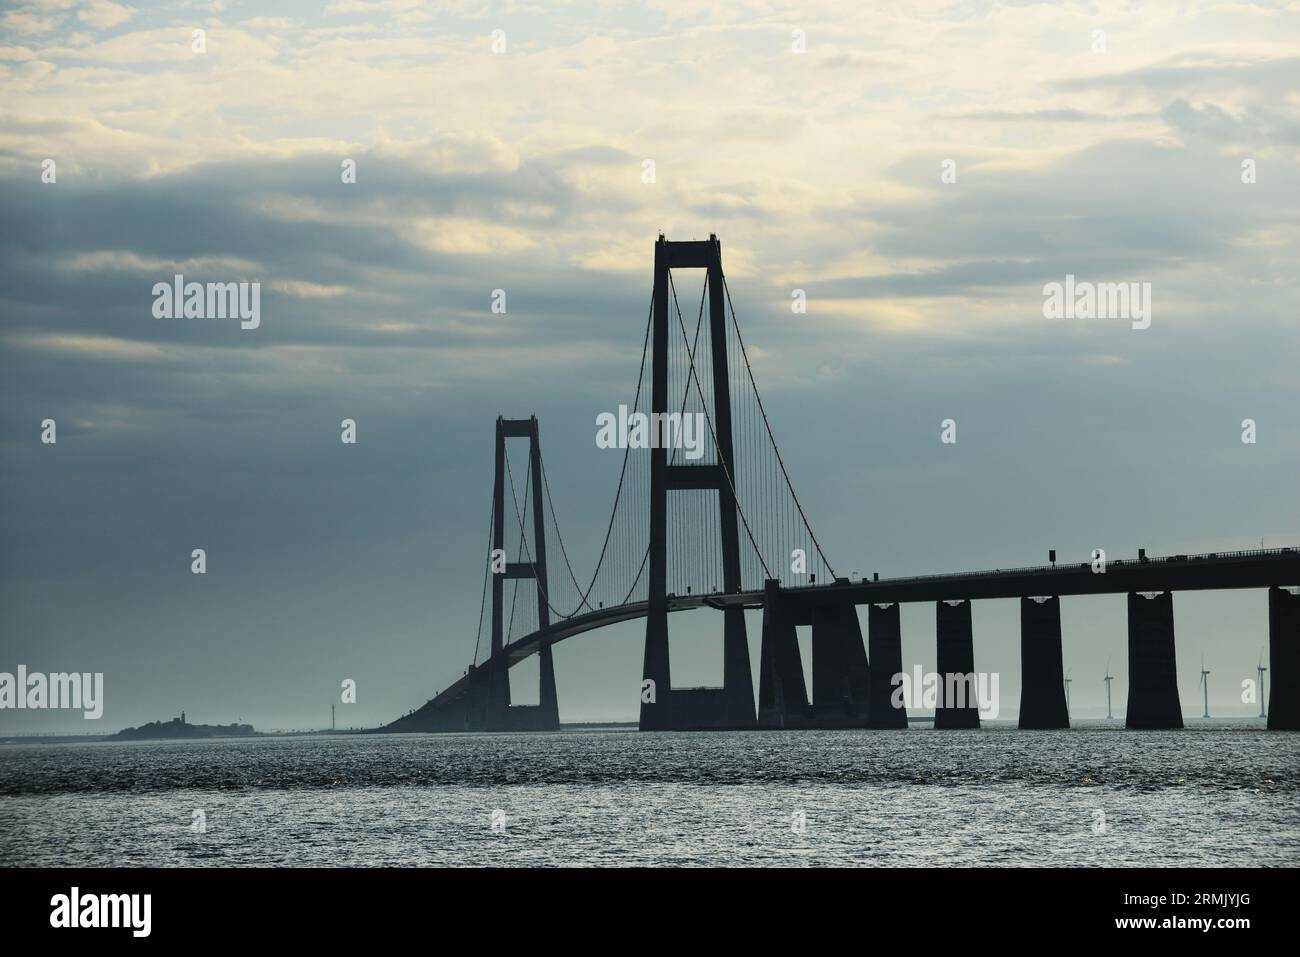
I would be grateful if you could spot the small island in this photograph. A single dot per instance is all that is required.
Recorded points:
(180, 728)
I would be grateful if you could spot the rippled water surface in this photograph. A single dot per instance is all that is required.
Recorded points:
(995, 796)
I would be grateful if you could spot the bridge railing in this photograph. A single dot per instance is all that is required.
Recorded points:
(1045, 570)
(1110, 563)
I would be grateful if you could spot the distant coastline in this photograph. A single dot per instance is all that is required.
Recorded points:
(180, 728)
(177, 729)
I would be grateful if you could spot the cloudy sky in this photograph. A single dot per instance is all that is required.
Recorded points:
(515, 160)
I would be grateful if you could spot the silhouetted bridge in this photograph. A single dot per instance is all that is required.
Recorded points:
(696, 557)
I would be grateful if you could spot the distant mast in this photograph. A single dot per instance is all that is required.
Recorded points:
(1260, 669)
(1205, 688)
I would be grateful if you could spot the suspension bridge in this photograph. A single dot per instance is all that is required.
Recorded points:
(721, 528)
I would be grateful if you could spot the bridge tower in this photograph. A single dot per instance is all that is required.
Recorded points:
(665, 708)
(496, 713)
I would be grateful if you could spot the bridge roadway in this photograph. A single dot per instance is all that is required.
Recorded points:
(1261, 568)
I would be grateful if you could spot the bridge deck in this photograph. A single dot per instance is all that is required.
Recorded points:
(1260, 568)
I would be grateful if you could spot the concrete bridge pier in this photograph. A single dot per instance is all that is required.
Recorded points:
(841, 677)
(1284, 659)
(1042, 682)
(1152, 667)
(782, 693)
(885, 652)
(737, 679)
(958, 701)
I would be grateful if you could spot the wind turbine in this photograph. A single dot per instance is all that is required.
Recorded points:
(1205, 687)
(1260, 669)
(1108, 679)
(1067, 695)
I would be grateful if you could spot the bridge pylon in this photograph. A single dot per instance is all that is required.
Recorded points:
(664, 708)
(494, 711)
